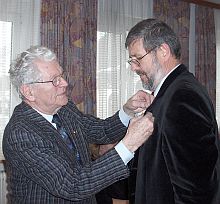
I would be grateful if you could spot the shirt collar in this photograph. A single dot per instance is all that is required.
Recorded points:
(46, 116)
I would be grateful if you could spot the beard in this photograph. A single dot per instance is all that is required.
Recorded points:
(149, 85)
(154, 78)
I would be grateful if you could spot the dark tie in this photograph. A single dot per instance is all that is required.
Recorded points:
(63, 133)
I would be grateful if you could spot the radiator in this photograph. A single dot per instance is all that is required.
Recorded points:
(3, 187)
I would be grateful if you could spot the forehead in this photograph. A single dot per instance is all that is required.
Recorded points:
(48, 67)
(136, 47)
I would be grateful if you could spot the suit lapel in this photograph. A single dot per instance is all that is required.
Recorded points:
(45, 129)
(180, 69)
(173, 75)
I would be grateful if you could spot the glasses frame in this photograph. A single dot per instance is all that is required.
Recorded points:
(138, 59)
(56, 80)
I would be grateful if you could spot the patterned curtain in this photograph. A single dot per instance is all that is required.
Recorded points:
(68, 27)
(205, 69)
(178, 17)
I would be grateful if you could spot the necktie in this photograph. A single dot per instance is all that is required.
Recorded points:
(62, 131)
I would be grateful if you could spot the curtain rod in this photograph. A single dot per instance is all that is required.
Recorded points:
(204, 3)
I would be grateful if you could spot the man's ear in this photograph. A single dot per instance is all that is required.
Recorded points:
(164, 51)
(27, 92)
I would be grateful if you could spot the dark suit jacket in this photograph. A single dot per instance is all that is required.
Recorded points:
(42, 170)
(180, 161)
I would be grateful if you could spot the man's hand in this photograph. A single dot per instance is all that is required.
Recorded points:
(138, 103)
(139, 130)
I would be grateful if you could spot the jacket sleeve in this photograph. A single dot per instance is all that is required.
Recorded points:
(190, 146)
(97, 131)
(48, 166)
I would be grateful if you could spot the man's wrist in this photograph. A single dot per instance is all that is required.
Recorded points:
(124, 117)
(125, 154)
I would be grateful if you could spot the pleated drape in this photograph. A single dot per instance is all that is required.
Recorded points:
(69, 27)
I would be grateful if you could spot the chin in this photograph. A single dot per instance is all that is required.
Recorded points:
(66, 101)
(63, 102)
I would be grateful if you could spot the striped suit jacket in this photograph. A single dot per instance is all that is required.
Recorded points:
(42, 170)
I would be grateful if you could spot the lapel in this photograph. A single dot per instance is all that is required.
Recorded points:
(73, 129)
(45, 129)
(169, 80)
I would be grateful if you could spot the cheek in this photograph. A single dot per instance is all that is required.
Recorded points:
(60, 99)
(144, 70)
(50, 96)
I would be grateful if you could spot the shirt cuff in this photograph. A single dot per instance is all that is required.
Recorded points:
(125, 119)
(125, 154)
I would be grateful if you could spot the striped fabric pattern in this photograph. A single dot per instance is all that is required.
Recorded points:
(43, 170)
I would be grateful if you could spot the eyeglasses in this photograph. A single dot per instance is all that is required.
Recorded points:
(136, 61)
(56, 81)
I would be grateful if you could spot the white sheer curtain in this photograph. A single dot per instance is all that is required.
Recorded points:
(24, 16)
(115, 82)
(217, 34)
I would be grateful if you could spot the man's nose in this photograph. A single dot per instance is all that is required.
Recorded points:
(63, 82)
(134, 67)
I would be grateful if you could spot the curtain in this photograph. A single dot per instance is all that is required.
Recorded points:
(205, 69)
(20, 26)
(68, 27)
(115, 82)
(178, 19)
(217, 34)
(195, 27)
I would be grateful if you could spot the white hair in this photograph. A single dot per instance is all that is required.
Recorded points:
(23, 70)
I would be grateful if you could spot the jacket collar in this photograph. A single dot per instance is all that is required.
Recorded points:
(171, 77)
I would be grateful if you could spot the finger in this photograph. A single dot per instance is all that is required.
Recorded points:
(149, 115)
(139, 113)
(141, 104)
(141, 95)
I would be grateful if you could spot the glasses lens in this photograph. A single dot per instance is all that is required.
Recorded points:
(134, 61)
(56, 80)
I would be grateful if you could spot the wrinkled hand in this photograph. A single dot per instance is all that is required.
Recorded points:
(139, 130)
(138, 103)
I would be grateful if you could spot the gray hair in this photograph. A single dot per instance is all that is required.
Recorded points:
(23, 70)
(154, 33)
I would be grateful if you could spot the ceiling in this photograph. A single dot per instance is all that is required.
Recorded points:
(214, 1)
(210, 3)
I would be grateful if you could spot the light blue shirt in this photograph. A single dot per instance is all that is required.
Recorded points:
(125, 154)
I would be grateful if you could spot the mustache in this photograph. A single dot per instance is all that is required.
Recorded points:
(140, 73)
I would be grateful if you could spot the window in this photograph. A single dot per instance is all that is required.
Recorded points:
(19, 29)
(115, 81)
(5, 57)
(217, 34)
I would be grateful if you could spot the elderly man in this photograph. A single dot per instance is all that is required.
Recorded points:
(45, 143)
